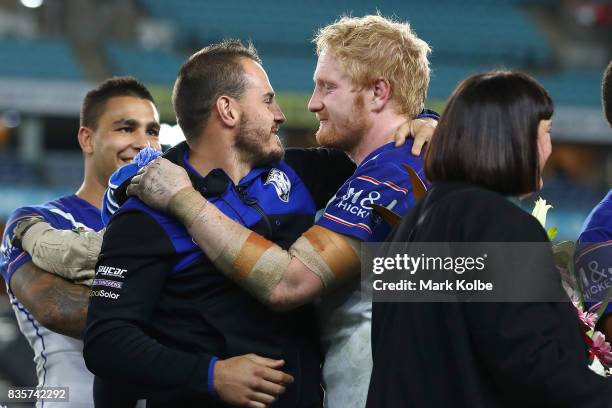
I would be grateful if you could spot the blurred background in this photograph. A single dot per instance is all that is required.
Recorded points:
(53, 51)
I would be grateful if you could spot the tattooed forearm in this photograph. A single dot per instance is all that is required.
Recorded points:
(56, 303)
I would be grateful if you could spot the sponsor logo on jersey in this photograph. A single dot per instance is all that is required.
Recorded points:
(6, 248)
(104, 294)
(357, 202)
(108, 283)
(281, 183)
(111, 271)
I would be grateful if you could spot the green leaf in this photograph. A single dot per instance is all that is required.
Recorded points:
(552, 233)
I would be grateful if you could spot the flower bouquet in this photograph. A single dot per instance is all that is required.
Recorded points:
(600, 351)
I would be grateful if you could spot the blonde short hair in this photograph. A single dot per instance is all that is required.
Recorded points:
(374, 46)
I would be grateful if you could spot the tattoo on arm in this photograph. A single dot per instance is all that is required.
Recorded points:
(55, 302)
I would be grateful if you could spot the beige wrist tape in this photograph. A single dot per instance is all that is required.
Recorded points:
(186, 205)
(65, 253)
(253, 262)
(258, 265)
(331, 256)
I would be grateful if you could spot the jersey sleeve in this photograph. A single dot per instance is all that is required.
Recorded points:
(593, 259)
(118, 344)
(116, 194)
(593, 267)
(350, 211)
(321, 169)
(12, 256)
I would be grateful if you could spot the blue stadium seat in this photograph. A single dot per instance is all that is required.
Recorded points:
(150, 66)
(496, 30)
(44, 59)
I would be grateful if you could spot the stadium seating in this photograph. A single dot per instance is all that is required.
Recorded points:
(490, 32)
(574, 88)
(43, 59)
(149, 66)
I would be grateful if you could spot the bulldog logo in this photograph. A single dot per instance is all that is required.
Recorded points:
(281, 184)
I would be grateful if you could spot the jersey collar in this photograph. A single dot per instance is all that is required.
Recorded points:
(214, 183)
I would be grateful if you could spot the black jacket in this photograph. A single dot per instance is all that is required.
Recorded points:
(160, 313)
(478, 354)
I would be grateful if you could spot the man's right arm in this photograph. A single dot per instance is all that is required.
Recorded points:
(56, 303)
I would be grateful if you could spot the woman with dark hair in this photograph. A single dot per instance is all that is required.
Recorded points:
(491, 144)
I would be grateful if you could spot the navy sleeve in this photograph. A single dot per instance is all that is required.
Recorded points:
(382, 181)
(593, 258)
(322, 170)
(135, 260)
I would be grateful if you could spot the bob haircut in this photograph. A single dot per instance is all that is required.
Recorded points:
(488, 133)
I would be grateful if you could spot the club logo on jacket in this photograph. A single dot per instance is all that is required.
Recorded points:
(281, 184)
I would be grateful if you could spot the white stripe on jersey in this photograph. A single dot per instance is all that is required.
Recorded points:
(70, 218)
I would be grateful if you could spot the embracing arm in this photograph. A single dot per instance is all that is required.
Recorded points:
(56, 303)
(319, 259)
(66, 253)
(282, 279)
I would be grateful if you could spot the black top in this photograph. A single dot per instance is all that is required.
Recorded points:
(478, 354)
(160, 312)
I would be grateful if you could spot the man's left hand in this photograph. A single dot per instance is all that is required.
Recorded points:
(420, 129)
(159, 181)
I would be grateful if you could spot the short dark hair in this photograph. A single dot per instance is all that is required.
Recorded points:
(208, 74)
(487, 134)
(606, 93)
(95, 100)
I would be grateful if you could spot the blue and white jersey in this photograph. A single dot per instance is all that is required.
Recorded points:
(346, 318)
(380, 179)
(593, 259)
(59, 359)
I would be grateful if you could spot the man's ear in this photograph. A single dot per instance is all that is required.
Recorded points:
(381, 90)
(228, 111)
(86, 139)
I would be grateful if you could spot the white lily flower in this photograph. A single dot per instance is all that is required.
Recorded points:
(540, 210)
(598, 368)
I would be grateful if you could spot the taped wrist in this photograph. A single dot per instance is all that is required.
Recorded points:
(186, 205)
(253, 262)
(66, 253)
(332, 257)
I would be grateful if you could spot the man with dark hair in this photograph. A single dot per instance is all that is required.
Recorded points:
(362, 94)
(162, 319)
(118, 119)
(594, 245)
(234, 131)
(179, 330)
(208, 74)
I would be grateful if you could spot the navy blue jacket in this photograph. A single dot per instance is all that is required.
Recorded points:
(160, 314)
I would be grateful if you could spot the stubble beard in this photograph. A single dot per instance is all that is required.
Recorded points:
(349, 132)
(252, 145)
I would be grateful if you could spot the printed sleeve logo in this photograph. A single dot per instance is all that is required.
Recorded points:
(594, 270)
(281, 183)
(357, 202)
(7, 248)
(108, 283)
(104, 294)
(111, 271)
